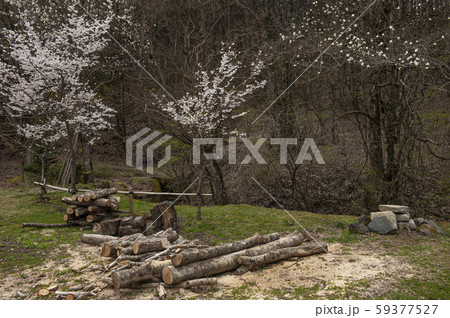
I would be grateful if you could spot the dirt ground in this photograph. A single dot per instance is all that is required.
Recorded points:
(323, 274)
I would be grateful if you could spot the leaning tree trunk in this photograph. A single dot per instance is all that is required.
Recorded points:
(87, 161)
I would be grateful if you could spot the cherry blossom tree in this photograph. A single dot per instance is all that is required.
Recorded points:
(46, 79)
(211, 109)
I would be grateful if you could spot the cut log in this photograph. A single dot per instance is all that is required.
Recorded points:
(109, 249)
(149, 271)
(257, 261)
(46, 225)
(195, 255)
(94, 194)
(154, 243)
(161, 292)
(75, 202)
(96, 239)
(99, 217)
(71, 209)
(134, 221)
(97, 209)
(107, 227)
(43, 292)
(128, 230)
(241, 270)
(81, 211)
(69, 217)
(164, 216)
(114, 201)
(197, 282)
(137, 274)
(224, 263)
(105, 203)
(150, 245)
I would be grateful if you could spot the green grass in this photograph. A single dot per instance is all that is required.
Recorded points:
(27, 247)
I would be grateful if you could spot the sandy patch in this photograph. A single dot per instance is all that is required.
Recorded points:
(335, 269)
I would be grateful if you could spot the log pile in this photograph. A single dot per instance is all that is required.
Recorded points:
(165, 259)
(92, 206)
(123, 226)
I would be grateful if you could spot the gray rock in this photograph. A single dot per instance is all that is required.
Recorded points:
(402, 217)
(387, 214)
(420, 221)
(412, 224)
(382, 225)
(358, 228)
(403, 226)
(394, 208)
(431, 223)
(428, 230)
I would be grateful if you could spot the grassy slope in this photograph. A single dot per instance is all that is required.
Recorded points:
(26, 247)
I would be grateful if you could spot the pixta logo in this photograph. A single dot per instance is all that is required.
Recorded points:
(147, 142)
(308, 145)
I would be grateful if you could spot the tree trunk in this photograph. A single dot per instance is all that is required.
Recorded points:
(81, 211)
(224, 263)
(73, 143)
(216, 179)
(284, 253)
(194, 255)
(87, 162)
(99, 217)
(96, 239)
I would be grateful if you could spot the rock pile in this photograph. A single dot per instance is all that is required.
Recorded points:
(392, 219)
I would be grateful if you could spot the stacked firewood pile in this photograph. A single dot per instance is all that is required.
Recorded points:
(165, 259)
(92, 206)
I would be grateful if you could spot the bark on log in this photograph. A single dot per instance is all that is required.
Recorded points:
(99, 217)
(197, 282)
(138, 274)
(134, 221)
(46, 225)
(97, 209)
(114, 202)
(109, 249)
(224, 263)
(71, 201)
(195, 255)
(94, 194)
(162, 292)
(81, 211)
(69, 217)
(105, 203)
(128, 230)
(256, 261)
(107, 227)
(164, 216)
(96, 239)
(154, 243)
(148, 271)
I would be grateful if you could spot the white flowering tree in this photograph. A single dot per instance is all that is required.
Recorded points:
(45, 79)
(389, 60)
(211, 109)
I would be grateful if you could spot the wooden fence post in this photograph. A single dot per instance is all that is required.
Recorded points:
(130, 195)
